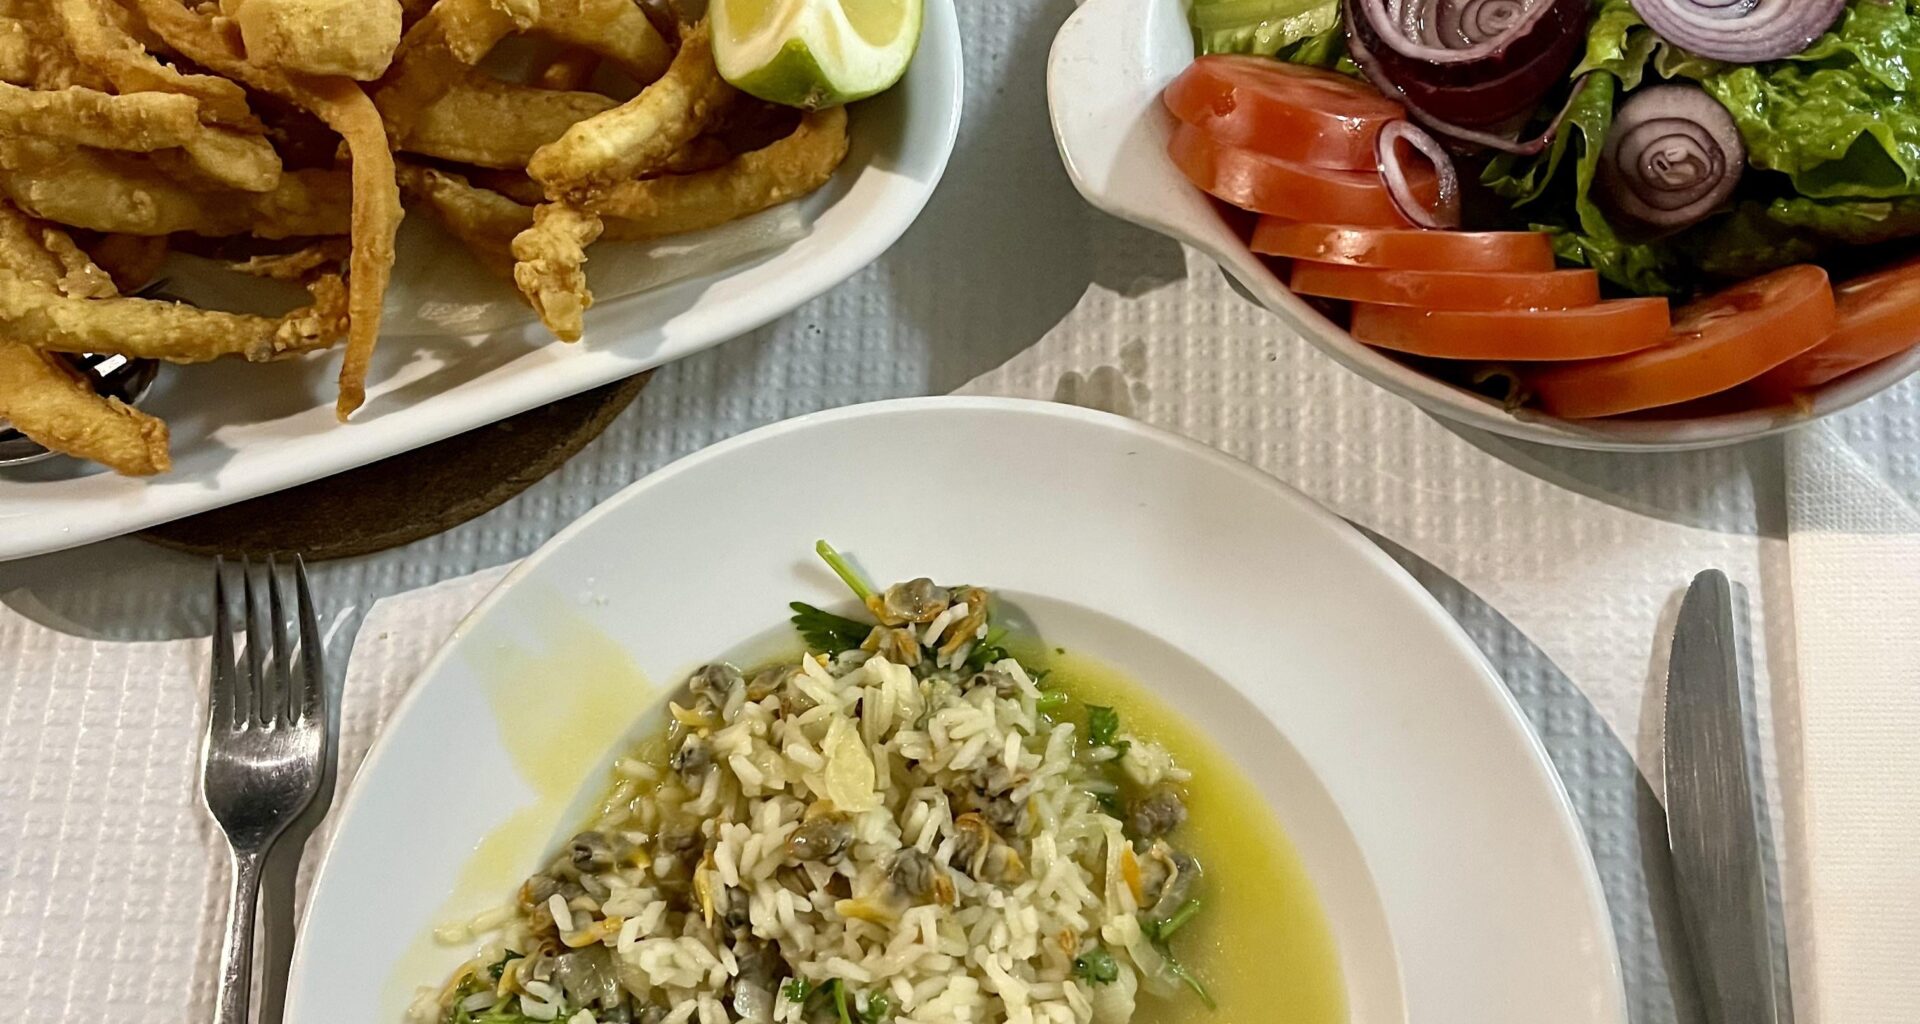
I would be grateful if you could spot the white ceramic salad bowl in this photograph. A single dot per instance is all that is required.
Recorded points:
(1110, 62)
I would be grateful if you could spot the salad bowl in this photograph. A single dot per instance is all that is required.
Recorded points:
(1109, 64)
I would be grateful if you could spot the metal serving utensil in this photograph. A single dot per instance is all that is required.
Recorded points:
(266, 750)
(114, 376)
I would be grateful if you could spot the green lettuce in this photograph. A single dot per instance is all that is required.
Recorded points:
(1833, 131)
(1263, 27)
(1833, 134)
(1586, 238)
(1838, 118)
(1324, 49)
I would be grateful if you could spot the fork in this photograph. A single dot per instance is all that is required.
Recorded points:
(266, 747)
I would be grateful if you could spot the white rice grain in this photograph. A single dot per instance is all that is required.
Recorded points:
(562, 917)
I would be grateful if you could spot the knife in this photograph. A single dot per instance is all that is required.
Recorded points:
(1713, 823)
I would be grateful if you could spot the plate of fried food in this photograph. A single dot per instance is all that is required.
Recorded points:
(328, 231)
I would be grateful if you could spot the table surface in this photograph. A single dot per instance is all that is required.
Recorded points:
(1005, 256)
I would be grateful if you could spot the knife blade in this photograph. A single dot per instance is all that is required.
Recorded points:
(1713, 823)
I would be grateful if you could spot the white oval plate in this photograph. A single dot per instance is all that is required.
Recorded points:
(1437, 836)
(1104, 76)
(244, 430)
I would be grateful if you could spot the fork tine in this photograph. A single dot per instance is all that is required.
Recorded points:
(285, 693)
(225, 701)
(313, 677)
(256, 653)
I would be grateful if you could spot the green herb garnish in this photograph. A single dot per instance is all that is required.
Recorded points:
(840, 999)
(1103, 724)
(1049, 701)
(1096, 967)
(1103, 729)
(845, 570)
(875, 1008)
(797, 990)
(1162, 930)
(1180, 971)
(826, 632)
(500, 967)
(989, 650)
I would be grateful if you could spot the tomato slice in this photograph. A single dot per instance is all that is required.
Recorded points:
(1449, 289)
(1879, 316)
(1296, 113)
(1268, 184)
(1403, 248)
(1717, 343)
(1603, 329)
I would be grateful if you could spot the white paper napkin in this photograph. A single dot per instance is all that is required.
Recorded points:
(1855, 550)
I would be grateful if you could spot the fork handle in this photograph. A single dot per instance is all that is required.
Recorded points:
(236, 955)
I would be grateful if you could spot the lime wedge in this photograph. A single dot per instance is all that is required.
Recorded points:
(814, 53)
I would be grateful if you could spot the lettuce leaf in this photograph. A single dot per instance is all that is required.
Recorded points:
(1833, 131)
(1618, 42)
(1261, 27)
(1839, 122)
(1586, 238)
(1838, 118)
(1326, 49)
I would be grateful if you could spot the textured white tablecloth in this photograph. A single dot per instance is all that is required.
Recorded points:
(1567, 567)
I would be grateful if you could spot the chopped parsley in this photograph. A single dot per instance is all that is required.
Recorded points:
(1103, 728)
(500, 967)
(1162, 930)
(826, 632)
(989, 650)
(874, 1009)
(1097, 967)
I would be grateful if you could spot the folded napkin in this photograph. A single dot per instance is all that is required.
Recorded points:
(1855, 553)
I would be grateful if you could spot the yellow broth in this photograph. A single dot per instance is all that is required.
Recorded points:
(1261, 945)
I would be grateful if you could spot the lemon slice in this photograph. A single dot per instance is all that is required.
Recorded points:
(814, 53)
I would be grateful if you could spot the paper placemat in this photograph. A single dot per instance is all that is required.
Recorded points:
(1565, 566)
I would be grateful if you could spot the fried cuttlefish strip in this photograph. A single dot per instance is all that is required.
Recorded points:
(669, 205)
(490, 123)
(136, 122)
(352, 38)
(96, 190)
(550, 266)
(452, 36)
(483, 220)
(641, 134)
(42, 397)
(753, 181)
(94, 34)
(34, 314)
(59, 411)
(638, 136)
(344, 107)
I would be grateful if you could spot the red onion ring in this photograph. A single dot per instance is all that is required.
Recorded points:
(1741, 31)
(1476, 64)
(1446, 208)
(1672, 156)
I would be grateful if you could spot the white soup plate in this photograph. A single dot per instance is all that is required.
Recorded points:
(1454, 877)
